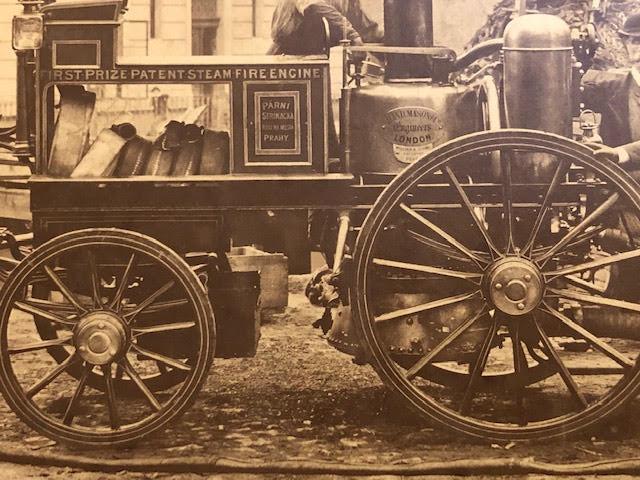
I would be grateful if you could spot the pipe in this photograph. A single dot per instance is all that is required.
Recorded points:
(484, 49)
(408, 23)
(343, 231)
(490, 466)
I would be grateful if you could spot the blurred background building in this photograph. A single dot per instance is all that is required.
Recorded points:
(222, 27)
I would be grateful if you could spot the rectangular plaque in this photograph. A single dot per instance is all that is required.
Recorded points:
(76, 53)
(277, 123)
(278, 129)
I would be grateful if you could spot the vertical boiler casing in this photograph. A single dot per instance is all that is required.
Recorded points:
(537, 83)
(537, 74)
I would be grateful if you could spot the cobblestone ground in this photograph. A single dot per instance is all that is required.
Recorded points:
(301, 399)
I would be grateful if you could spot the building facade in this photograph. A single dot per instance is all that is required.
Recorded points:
(225, 27)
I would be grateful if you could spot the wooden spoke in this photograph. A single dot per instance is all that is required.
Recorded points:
(167, 327)
(429, 357)
(452, 241)
(478, 367)
(520, 367)
(110, 397)
(601, 262)
(130, 316)
(94, 279)
(68, 294)
(427, 269)
(588, 220)
(158, 306)
(158, 357)
(598, 344)
(578, 282)
(585, 237)
(51, 376)
(562, 369)
(30, 347)
(116, 303)
(585, 297)
(561, 171)
(128, 368)
(467, 204)
(119, 372)
(507, 199)
(425, 306)
(33, 308)
(70, 411)
(438, 247)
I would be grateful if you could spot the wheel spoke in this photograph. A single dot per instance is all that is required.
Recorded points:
(578, 282)
(66, 292)
(51, 376)
(520, 367)
(601, 262)
(110, 396)
(119, 372)
(598, 344)
(585, 237)
(94, 278)
(452, 241)
(562, 369)
(34, 309)
(427, 269)
(428, 358)
(440, 248)
(478, 368)
(158, 357)
(467, 204)
(39, 345)
(116, 303)
(588, 220)
(425, 306)
(167, 327)
(128, 368)
(507, 199)
(585, 297)
(70, 412)
(130, 316)
(158, 306)
(559, 174)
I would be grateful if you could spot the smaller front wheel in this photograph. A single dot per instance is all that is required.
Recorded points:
(102, 284)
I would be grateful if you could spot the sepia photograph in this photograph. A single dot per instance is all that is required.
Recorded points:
(319, 239)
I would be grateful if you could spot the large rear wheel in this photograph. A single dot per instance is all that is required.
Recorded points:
(516, 279)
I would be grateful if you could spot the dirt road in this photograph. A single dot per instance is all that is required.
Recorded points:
(299, 399)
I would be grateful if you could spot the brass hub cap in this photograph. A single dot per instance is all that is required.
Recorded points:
(100, 337)
(514, 286)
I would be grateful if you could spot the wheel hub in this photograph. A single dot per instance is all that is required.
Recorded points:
(514, 285)
(100, 337)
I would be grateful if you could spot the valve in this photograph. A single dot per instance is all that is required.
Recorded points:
(590, 126)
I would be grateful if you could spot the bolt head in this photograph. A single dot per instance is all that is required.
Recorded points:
(520, 306)
(527, 277)
(82, 348)
(498, 286)
(100, 325)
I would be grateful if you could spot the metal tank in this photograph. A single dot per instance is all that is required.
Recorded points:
(394, 124)
(537, 84)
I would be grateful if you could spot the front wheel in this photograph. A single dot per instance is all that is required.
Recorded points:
(104, 284)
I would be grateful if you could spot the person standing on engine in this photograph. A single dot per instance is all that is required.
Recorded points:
(297, 28)
(616, 95)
